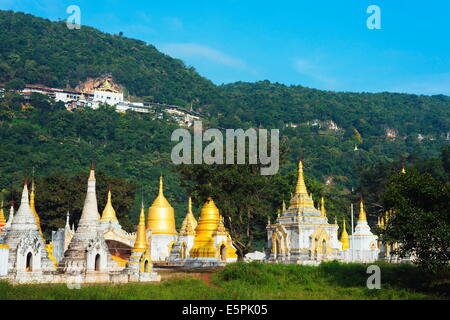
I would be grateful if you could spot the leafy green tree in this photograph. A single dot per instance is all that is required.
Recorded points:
(421, 220)
(245, 198)
(15, 85)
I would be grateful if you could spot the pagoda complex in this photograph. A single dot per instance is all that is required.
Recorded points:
(303, 235)
(98, 250)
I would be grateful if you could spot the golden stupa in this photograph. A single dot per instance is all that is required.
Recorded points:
(362, 213)
(140, 245)
(209, 225)
(109, 214)
(161, 218)
(189, 223)
(344, 238)
(301, 200)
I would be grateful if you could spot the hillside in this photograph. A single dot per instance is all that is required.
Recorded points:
(42, 52)
(137, 148)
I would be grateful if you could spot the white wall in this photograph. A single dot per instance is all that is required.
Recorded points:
(110, 98)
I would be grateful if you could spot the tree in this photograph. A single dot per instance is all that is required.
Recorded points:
(245, 198)
(421, 220)
(15, 85)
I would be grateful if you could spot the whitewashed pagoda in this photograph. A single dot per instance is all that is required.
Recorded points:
(362, 243)
(24, 248)
(87, 254)
(302, 234)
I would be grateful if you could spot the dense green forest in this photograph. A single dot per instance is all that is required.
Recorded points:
(136, 147)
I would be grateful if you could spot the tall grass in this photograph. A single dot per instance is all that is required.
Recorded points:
(332, 280)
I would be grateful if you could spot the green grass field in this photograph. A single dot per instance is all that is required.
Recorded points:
(330, 280)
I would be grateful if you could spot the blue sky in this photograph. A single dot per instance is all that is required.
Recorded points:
(319, 44)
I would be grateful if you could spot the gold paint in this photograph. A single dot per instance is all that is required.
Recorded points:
(49, 249)
(109, 214)
(207, 224)
(382, 222)
(33, 210)
(322, 207)
(2, 217)
(140, 244)
(344, 238)
(301, 186)
(145, 258)
(120, 262)
(231, 251)
(189, 223)
(301, 199)
(161, 218)
(319, 237)
(362, 213)
(220, 228)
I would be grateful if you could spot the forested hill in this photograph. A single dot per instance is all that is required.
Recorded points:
(39, 51)
(270, 104)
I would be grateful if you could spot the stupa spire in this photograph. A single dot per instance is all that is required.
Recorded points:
(24, 219)
(11, 215)
(161, 186)
(344, 237)
(90, 213)
(301, 186)
(362, 213)
(109, 214)
(2, 217)
(322, 207)
(301, 201)
(140, 245)
(67, 226)
(189, 223)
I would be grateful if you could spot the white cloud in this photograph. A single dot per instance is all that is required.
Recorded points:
(193, 50)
